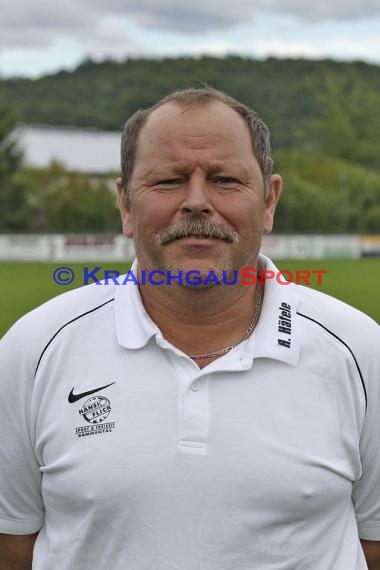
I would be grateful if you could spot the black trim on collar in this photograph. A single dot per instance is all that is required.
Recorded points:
(65, 325)
(348, 348)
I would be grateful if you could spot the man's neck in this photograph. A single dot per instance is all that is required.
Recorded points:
(203, 320)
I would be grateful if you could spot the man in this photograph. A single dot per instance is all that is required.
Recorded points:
(188, 426)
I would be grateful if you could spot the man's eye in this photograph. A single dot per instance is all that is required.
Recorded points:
(225, 180)
(168, 182)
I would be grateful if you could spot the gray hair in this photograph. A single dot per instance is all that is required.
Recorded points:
(185, 98)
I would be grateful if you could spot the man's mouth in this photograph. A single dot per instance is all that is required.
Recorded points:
(198, 236)
(199, 229)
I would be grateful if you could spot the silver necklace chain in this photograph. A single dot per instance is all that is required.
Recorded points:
(259, 301)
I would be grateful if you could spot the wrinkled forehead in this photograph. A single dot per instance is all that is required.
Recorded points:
(212, 124)
(207, 118)
(211, 137)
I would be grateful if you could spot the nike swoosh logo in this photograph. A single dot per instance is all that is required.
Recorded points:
(75, 397)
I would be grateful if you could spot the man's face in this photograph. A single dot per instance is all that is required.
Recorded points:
(197, 165)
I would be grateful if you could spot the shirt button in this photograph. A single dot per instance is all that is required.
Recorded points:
(195, 386)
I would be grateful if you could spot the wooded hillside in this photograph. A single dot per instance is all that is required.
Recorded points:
(324, 117)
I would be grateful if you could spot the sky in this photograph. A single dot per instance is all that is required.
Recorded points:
(41, 36)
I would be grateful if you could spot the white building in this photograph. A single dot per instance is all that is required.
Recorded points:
(85, 150)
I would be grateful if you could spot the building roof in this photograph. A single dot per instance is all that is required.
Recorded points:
(84, 150)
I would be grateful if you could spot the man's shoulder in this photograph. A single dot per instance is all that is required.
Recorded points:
(36, 327)
(348, 324)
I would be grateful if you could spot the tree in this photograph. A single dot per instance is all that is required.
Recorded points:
(326, 195)
(13, 210)
(62, 201)
(349, 122)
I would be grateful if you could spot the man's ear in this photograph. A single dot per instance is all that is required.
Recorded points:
(125, 211)
(270, 202)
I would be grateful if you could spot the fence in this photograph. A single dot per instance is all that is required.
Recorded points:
(102, 247)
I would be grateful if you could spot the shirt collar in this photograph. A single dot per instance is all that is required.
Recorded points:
(276, 335)
(134, 327)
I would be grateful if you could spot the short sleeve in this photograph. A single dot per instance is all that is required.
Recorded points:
(21, 506)
(366, 491)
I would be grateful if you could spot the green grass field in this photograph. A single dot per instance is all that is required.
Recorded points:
(26, 285)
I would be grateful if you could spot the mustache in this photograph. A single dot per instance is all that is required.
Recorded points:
(197, 225)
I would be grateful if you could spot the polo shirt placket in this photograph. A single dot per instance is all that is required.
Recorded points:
(135, 328)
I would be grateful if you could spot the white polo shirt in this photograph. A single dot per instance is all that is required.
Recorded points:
(126, 455)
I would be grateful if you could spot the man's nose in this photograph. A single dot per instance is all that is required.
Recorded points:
(197, 198)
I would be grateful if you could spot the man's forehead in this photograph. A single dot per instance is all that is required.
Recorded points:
(173, 116)
(207, 135)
